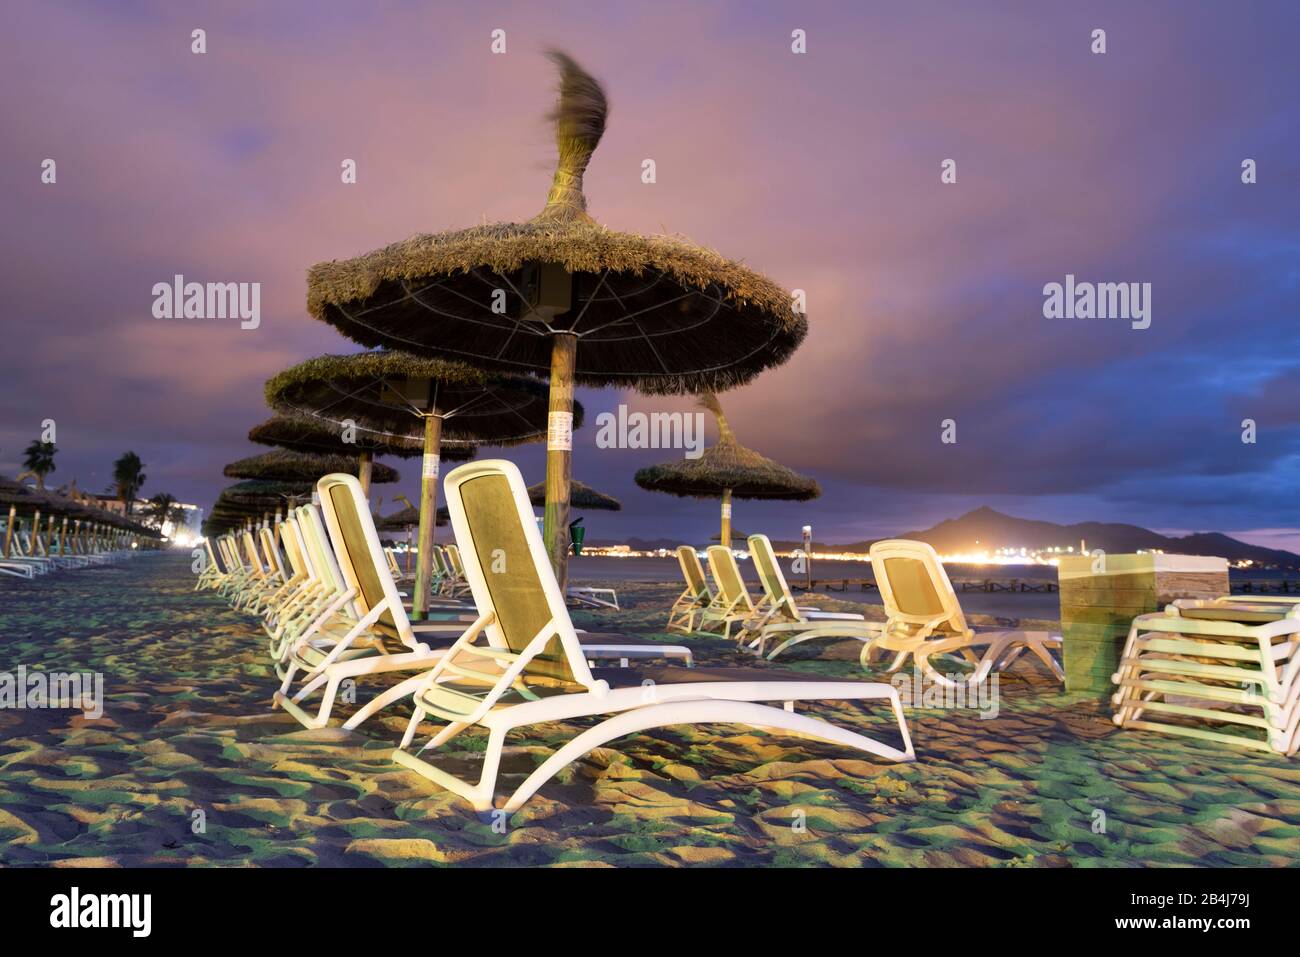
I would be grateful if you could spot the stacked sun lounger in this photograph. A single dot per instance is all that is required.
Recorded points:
(1224, 670)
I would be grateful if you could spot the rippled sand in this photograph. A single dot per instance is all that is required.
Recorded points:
(188, 728)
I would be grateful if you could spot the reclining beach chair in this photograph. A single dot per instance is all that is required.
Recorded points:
(781, 619)
(379, 637)
(695, 597)
(455, 586)
(522, 664)
(1226, 670)
(212, 572)
(731, 602)
(924, 618)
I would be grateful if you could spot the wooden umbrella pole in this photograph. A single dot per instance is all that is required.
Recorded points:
(408, 551)
(428, 514)
(49, 537)
(9, 529)
(724, 535)
(36, 534)
(559, 455)
(365, 466)
(63, 536)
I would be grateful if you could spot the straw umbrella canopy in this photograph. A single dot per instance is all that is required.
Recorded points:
(386, 391)
(581, 495)
(655, 313)
(301, 433)
(408, 517)
(727, 470)
(255, 498)
(288, 466)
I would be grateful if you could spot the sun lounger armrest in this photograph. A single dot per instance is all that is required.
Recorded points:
(461, 645)
(512, 674)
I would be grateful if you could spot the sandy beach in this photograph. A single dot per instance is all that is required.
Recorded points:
(188, 738)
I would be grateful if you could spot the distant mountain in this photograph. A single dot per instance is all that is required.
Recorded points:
(986, 529)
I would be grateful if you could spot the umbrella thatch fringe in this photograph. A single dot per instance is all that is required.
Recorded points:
(303, 466)
(581, 496)
(727, 465)
(333, 388)
(307, 434)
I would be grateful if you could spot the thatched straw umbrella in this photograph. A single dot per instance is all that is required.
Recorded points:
(408, 517)
(288, 466)
(727, 470)
(300, 433)
(654, 313)
(260, 498)
(581, 495)
(98, 521)
(386, 391)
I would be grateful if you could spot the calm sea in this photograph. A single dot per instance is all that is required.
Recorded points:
(1001, 604)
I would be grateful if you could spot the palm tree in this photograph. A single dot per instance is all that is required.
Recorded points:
(128, 477)
(39, 460)
(162, 509)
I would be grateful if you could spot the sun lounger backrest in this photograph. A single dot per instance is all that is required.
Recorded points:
(507, 569)
(914, 586)
(360, 554)
(212, 556)
(693, 572)
(455, 561)
(291, 548)
(250, 550)
(231, 550)
(296, 522)
(271, 553)
(770, 574)
(727, 574)
(439, 561)
(318, 547)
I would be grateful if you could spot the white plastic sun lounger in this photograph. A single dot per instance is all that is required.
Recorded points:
(695, 597)
(924, 618)
(782, 620)
(522, 663)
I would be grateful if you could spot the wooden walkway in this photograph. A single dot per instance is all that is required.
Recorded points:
(961, 584)
(1255, 586)
(1267, 586)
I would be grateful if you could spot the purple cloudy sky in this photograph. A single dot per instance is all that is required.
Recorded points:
(822, 170)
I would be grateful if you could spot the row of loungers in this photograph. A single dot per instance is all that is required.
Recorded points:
(923, 617)
(504, 657)
(28, 554)
(1226, 670)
